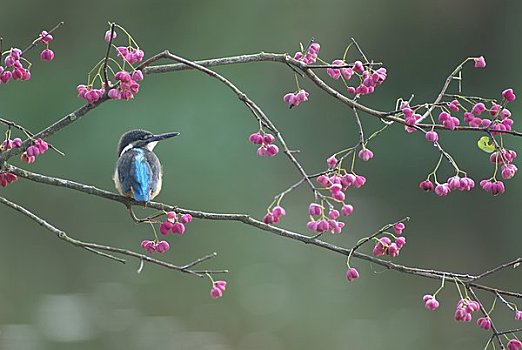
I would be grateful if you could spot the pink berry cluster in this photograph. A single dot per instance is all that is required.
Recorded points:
(369, 78)
(47, 54)
(430, 302)
(293, 99)
(385, 246)
(320, 222)
(17, 71)
(493, 186)
(499, 118)
(89, 93)
(410, 117)
(8, 144)
(505, 157)
(128, 85)
(14, 62)
(454, 183)
(308, 56)
(155, 247)
(265, 142)
(175, 223)
(218, 287)
(337, 184)
(273, 216)
(127, 78)
(7, 178)
(39, 148)
(130, 54)
(465, 310)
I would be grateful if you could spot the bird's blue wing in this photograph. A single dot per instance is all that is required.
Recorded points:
(141, 177)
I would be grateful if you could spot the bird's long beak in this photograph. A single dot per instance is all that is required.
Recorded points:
(160, 137)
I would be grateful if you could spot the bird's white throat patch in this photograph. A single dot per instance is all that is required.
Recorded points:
(149, 146)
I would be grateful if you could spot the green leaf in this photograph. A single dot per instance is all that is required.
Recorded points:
(485, 144)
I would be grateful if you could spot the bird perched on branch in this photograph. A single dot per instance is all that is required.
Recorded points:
(138, 170)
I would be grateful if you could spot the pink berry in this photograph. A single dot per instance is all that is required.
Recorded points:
(216, 293)
(509, 95)
(256, 138)
(432, 136)
(315, 209)
(46, 37)
(347, 209)
(430, 302)
(268, 219)
(333, 214)
(108, 36)
(312, 225)
(178, 228)
(478, 108)
(165, 227)
(352, 274)
(514, 344)
(278, 211)
(480, 62)
(171, 216)
(518, 315)
(272, 150)
(162, 247)
(185, 218)
(398, 228)
(400, 242)
(47, 55)
(484, 323)
(332, 161)
(137, 75)
(365, 154)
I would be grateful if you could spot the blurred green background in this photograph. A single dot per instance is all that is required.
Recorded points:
(282, 294)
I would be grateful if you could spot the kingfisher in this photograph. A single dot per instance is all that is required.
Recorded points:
(138, 170)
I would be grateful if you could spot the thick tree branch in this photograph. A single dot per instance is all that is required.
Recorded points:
(248, 220)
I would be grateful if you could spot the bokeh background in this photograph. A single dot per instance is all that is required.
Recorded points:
(282, 294)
